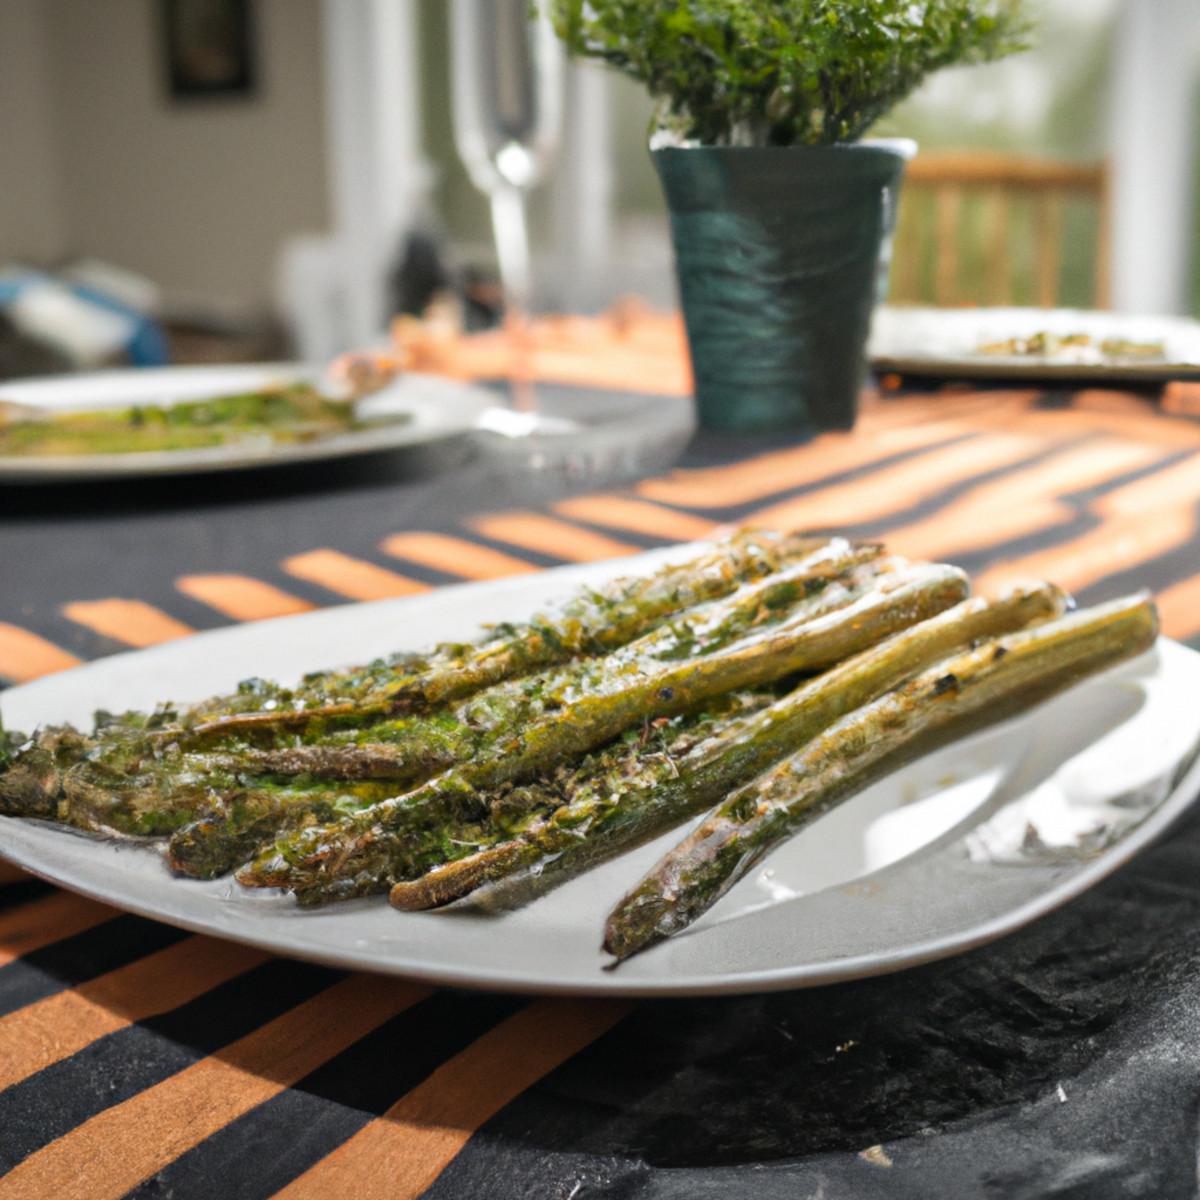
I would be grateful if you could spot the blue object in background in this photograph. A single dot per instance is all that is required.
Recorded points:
(81, 321)
(148, 345)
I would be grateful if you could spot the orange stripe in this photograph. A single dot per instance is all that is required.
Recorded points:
(638, 516)
(242, 598)
(876, 413)
(50, 1030)
(1179, 608)
(1092, 411)
(397, 1156)
(1019, 504)
(25, 656)
(11, 873)
(1181, 397)
(548, 536)
(1148, 427)
(828, 455)
(131, 621)
(1140, 521)
(121, 1146)
(1105, 400)
(649, 373)
(455, 556)
(50, 919)
(351, 576)
(896, 488)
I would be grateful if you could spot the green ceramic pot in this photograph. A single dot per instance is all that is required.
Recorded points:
(778, 251)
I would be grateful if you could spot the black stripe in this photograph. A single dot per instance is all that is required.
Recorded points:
(425, 574)
(74, 960)
(978, 559)
(277, 1141)
(410, 568)
(319, 592)
(54, 1101)
(720, 448)
(1156, 574)
(561, 1136)
(23, 891)
(189, 610)
(76, 639)
(637, 538)
(1085, 495)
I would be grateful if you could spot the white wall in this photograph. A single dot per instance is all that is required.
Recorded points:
(1154, 141)
(32, 214)
(197, 195)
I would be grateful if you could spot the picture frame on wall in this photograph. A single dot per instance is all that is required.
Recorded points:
(209, 48)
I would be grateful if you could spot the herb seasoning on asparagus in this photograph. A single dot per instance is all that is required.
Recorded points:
(981, 683)
(615, 696)
(409, 750)
(146, 775)
(768, 675)
(606, 816)
(594, 622)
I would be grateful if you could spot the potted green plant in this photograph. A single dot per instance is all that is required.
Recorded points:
(778, 212)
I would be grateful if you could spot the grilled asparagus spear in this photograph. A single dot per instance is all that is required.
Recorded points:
(238, 812)
(410, 750)
(359, 852)
(593, 622)
(614, 811)
(235, 831)
(143, 774)
(982, 684)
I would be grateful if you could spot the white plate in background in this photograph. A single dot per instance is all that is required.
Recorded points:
(434, 409)
(947, 341)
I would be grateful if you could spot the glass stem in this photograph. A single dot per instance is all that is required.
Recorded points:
(512, 248)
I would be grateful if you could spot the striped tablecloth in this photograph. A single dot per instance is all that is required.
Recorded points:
(136, 1059)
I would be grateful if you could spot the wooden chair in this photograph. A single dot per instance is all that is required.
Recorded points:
(1002, 217)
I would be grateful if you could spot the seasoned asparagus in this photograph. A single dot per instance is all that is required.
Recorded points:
(593, 622)
(31, 771)
(409, 750)
(611, 698)
(611, 811)
(237, 822)
(144, 774)
(230, 835)
(502, 766)
(981, 684)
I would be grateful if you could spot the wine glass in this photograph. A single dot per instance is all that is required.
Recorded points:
(507, 69)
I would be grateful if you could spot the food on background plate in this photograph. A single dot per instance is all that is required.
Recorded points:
(1078, 348)
(768, 675)
(286, 413)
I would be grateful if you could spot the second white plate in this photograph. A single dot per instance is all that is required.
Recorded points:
(947, 341)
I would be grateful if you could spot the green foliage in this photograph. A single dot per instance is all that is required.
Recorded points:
(785, 72)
